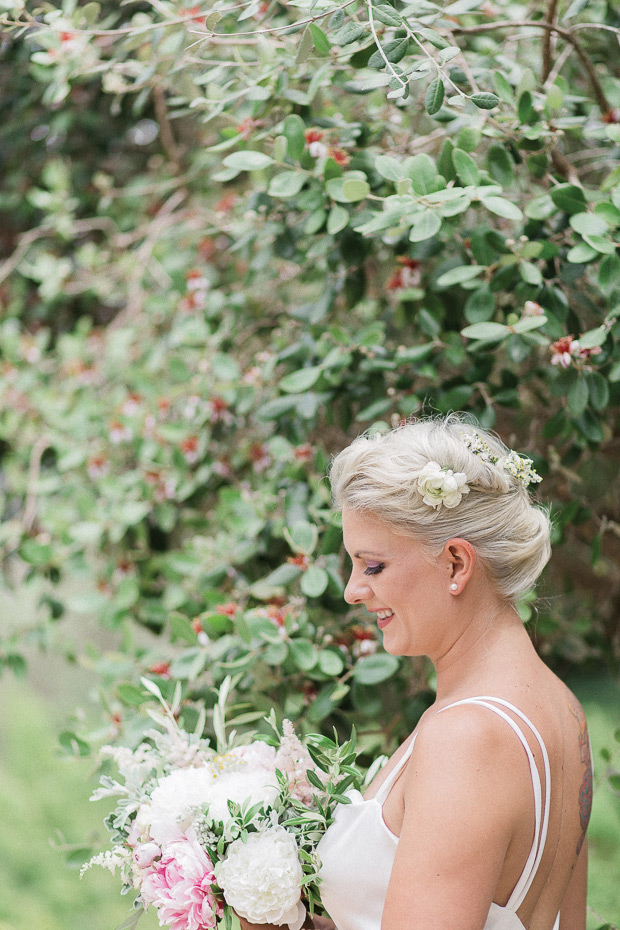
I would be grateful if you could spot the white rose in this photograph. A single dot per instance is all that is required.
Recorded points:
(261, 878)
(440, 485)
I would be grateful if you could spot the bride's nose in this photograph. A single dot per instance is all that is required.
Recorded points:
(357, 589)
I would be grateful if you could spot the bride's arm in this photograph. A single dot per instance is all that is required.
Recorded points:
(460, 815)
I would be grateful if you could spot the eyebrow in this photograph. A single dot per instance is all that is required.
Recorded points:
(364, 552)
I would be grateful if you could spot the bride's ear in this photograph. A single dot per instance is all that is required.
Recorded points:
(460, 558)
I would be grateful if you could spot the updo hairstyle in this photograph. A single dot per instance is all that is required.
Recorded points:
(377, 474)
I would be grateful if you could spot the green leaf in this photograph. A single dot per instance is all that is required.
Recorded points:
(581, 253)
(293, 130)
(331, 662)
(577, 396)
(354, 189)
(189, 664)
(593, 337)
(480, 305)
(600, 244)
(314, 581)
(502, 207)
(503, 87)
(465, 167)
(460, 275)
(540, 208)
(501, 165)
(393, 52)
(525, 108)
(302, 380)
(390, 168)
(350, 32)
(370, 670)
(286, 184)
(609, 272)
(589, 224)
(434, 96)
(423, 173)
(73, 745)
(302, 537)
(425, 225)
(132, 695)
(489, 330)
(598, 389)
(321, 42)
(303, 653)
(387, 14)
(485, 101)
(569, 198)
(248, 161)
(527, 323)
(530, 273)
(337, 220)
(305, 47)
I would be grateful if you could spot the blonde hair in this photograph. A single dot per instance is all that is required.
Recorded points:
(377, 474)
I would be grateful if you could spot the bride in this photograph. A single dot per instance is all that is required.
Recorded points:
(478, 820)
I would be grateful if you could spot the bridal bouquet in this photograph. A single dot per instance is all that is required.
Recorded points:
(201, 832)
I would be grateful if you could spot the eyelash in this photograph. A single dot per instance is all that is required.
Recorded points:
(374, 569)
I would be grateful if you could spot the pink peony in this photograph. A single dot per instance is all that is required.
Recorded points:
(179, 885)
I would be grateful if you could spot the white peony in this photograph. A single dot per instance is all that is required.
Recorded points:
(242, 775)
(261, 878)
(440, 485)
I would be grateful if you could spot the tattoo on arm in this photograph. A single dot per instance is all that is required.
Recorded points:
(585, 791)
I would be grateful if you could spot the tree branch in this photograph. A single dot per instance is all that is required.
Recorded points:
(167, 136)
(546, 51)
(566, 34)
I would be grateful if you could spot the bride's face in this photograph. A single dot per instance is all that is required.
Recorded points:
(397, 580)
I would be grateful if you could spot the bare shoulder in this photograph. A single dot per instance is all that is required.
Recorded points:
(466, 752)
(464, 731)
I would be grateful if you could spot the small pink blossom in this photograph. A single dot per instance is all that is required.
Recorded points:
(567, 351)
(180, 884)
(145, 854)
(532, 308)
(118, 433)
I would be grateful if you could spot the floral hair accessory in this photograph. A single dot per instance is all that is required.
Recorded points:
(440, 485)
(519, 466)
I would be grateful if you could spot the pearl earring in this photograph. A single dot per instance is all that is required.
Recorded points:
(454, 586)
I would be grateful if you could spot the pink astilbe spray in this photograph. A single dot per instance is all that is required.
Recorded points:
(293, 759)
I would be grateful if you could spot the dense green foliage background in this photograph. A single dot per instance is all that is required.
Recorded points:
(234, 237)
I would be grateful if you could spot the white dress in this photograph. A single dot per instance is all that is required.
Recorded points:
(357, 852)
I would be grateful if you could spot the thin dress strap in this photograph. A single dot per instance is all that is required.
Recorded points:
(541, 825)
(387, 785)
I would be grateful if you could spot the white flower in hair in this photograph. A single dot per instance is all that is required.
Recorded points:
(440, 485)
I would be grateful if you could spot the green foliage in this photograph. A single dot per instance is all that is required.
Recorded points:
(241, 237)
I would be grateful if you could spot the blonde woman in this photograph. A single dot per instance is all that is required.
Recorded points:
(478, 820)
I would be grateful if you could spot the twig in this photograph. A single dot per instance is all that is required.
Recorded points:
(165, 217)
(167, 136)
(34, 469)
(566, 34)
(80, 227)
(546, 50)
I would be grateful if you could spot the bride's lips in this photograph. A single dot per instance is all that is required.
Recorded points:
(382, 622)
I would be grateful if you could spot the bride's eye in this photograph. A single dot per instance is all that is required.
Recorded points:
(374, 569)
